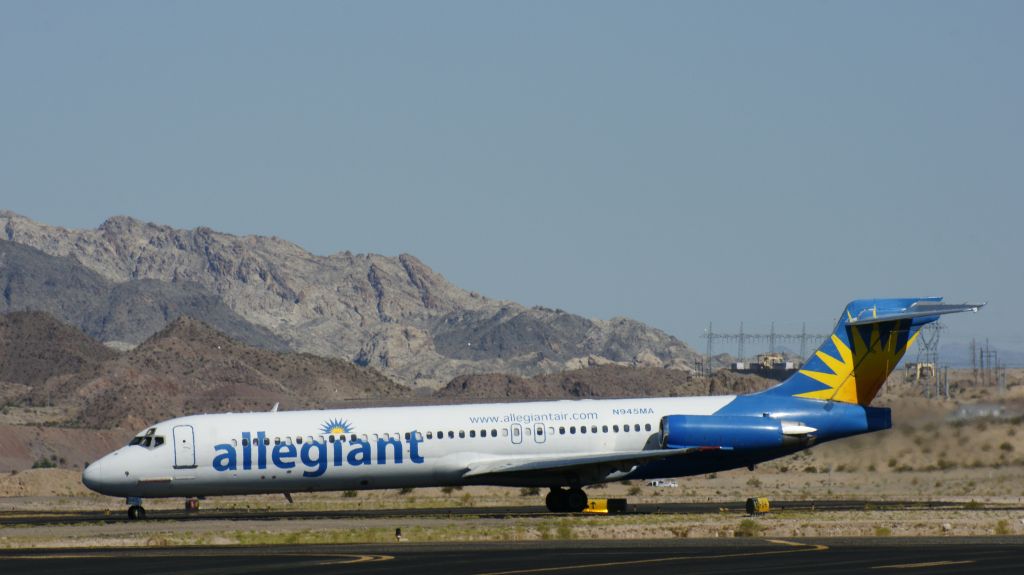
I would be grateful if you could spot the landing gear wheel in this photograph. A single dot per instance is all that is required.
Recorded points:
(561, 500)
(136, 512)
(556, 500)
(575, 500)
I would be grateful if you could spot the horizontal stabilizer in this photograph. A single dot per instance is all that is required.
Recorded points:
(919, 309)
(621, 460)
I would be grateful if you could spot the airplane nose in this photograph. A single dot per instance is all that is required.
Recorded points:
(96, 476)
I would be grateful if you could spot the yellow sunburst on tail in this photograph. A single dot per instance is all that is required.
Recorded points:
(869, 340)
(858, 373)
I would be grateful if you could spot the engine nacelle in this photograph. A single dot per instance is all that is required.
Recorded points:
(739, 432)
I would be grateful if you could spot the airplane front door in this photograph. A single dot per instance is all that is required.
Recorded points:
(184, 447)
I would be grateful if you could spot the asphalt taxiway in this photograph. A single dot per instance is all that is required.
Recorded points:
(27, 518)
(761, 556)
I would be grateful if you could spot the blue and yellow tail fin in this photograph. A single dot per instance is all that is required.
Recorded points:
(869, 340)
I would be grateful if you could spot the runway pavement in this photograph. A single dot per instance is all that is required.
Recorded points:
(15, 518)
(764, 557)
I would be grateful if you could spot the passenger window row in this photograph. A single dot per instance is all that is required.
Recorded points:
(603, 429)
(449, 434)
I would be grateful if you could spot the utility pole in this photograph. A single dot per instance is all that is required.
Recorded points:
(707, 360)
(974, 364)
(803, 341)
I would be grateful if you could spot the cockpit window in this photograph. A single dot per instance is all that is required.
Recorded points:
(149, 439)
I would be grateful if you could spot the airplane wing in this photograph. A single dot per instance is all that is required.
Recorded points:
(622, 460)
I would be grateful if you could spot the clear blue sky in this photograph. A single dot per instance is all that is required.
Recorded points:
(674, 162)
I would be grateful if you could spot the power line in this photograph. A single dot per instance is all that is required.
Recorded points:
(772, 338)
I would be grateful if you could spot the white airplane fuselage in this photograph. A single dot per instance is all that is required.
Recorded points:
(379, 448)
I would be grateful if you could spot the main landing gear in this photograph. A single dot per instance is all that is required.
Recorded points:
(572, 500)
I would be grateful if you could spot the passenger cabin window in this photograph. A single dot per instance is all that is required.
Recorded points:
(540, 431)
(583, 429)
(494, 433)
(604, 429)
(615, 428)
(636, 427)
(647, 427)
(472, 433)
(561, 431)
(298, 439)
(593, 429)
(430, 435)
(462, 434)
(451, 435)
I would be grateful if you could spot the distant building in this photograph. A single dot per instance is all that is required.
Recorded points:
(770, 365)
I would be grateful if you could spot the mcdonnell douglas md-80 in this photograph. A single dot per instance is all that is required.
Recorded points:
(563, 445)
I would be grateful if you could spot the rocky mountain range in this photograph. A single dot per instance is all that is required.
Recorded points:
(127, 279)
(120, 314)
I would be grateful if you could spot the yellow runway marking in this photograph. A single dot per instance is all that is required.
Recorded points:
(794, 548)
(921, 565)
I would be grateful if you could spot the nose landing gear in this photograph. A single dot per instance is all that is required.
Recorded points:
(135, 510)
(572, 500)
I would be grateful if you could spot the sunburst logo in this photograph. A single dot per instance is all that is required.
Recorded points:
(337, 426)
(858, 373)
